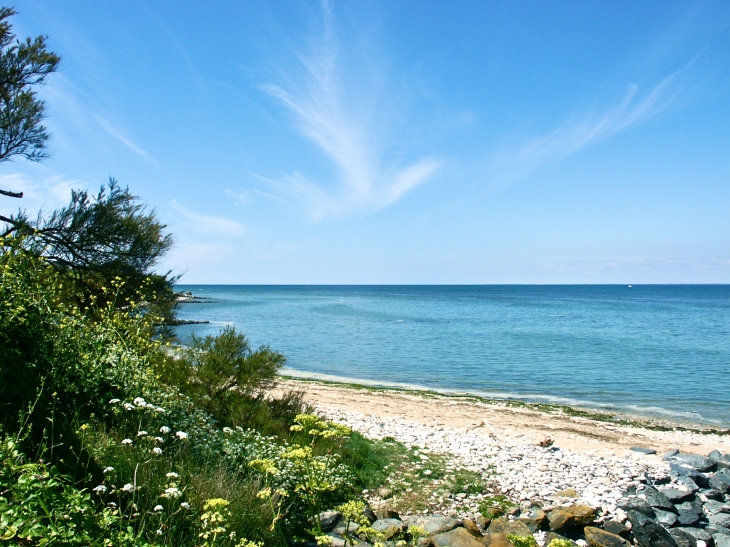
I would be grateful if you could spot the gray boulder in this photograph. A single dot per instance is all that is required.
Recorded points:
(720, 482)
(682, 539)
(432, 524)
(695, 461)
(720, 520)
(389, 527)
(534, 518)
(688, 483)
(665, 518)
(712, 494)
(688, 518)
(713, 507)
(329, 519)
(649, 533)
(346, 528)
(637, 504)
(657, 499)
(698, 534)
(676, 495)
(677, 471)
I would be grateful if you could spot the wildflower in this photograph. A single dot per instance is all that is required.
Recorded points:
(164, 430)
(112, 504)
(427, 472)
(172, 475)
(160, 410)
(108, 469)
(214, 503)
(100, 489)
(264, 466)
(264, 494)
(157, 450)
(127, 488)
(141, 433)
(181, 435)
(227, 430)
(127, 406)
(185, 505)
(323, 541)
(127, 441)
(157, 508)
(172, 493)
(139, 401)
(114, 401)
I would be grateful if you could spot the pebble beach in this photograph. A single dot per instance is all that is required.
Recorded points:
(545, 460)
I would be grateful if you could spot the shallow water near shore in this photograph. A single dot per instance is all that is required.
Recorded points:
(657, 350)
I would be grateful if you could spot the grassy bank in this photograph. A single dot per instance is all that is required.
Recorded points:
(110, 435)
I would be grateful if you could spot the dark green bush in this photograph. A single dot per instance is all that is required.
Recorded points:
(224, 376)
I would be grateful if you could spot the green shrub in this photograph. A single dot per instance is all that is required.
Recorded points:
(223, 375)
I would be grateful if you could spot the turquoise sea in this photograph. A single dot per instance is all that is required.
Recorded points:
(661, 350)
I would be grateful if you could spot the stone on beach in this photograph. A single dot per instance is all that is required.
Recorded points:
(600, 538)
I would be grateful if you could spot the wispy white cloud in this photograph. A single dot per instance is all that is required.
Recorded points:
(210, 224)
(635, 107)
(126, 141)
(239, 198)
(333, 116)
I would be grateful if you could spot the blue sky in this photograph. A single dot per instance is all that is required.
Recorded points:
(400, 142)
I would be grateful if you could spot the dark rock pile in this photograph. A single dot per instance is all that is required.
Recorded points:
(689, 506)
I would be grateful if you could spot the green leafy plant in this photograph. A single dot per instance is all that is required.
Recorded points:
(495, 506)
(522, 541)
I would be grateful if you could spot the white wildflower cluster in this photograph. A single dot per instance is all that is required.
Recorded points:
(172, 492)
(138, 403)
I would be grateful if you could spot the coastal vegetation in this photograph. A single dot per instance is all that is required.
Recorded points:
(111, 433)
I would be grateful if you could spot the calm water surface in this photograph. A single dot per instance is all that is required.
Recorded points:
(658, 350)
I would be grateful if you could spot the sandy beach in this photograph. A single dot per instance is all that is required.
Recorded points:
(510, 424)
(532, 456)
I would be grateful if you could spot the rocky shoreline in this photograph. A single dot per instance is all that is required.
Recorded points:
(680, 500)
